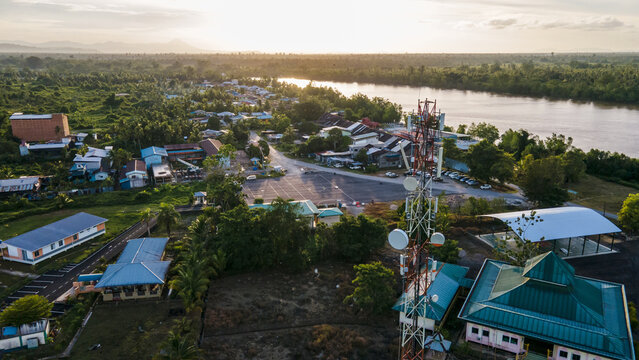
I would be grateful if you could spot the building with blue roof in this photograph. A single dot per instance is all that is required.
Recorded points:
(544, 308)
(153, 155)
(49, 240)
(139, 272)
(445, 282)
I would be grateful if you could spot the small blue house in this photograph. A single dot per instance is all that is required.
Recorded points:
(153, 155)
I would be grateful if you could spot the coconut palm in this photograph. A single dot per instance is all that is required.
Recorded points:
(62, 200)
(167, 216)
(146, 216)
(191, 283)
(179, 347)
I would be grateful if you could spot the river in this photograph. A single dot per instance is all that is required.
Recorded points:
(606, 127)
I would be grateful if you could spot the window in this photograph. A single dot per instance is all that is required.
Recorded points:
(576, 357)
(474, 330)
(563, 354)
(61, 243)
(505, 339)
(513, 340)
(36, 253)
(485, 333)
(52, 246)
(75, 237)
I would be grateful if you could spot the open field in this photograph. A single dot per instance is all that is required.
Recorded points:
(126, 330)
(274, 315)
(600, 194)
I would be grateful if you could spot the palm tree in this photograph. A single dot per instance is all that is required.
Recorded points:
(191, 283)
(179, 347)
(62, 200)
(167, 216)
(146, 217)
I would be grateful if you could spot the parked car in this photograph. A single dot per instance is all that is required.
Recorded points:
(473, 183)
(391, 174)
(251, 177)
(338, 165)
(486, 187)
(356, 167)
(462, 179)
(446, 172)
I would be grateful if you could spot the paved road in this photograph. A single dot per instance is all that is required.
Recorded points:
(450, 186)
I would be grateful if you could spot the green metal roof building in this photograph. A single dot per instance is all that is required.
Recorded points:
(545, 308)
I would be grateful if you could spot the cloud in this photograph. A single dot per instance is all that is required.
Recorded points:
(524, 22)
(501, 23)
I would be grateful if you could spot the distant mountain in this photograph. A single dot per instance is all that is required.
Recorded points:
(173, 46)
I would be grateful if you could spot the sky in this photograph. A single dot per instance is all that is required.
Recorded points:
(333, 26)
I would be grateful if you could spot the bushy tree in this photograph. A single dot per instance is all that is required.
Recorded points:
(574, 165)
(541, 180)
(629, 213)
(484, 131)
(486, 161)
(26, 310)
(357, 237)
(168, 217)
(374, 288)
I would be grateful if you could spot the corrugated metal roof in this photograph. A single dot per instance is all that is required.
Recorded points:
(330, 212)
(20, 116)
(21, 184)
(138, 264)
(144, 249)
(303, 207)
(89, 277)
(448, 279)
(557, 223)
(562, 308)
(153, 150)
(43, 236)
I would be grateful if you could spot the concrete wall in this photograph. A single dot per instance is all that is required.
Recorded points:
(559, 350)
(41, 129)
(494, 338)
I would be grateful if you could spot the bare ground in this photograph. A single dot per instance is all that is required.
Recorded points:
(275, 315)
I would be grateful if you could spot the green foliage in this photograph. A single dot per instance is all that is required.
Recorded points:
(485, 131)
(361, 156)
(632, 315)
(629, 213)
(574, 165)
(487, 161)
(525, 249)
(374, 288)
(448, 252)
(357, 237)
(541, 180)
(168, 217)
(26, 310)
(614, 166)
(481, 206)
(451, 150)
(179, 346)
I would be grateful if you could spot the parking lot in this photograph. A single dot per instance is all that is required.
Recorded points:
(323, 188)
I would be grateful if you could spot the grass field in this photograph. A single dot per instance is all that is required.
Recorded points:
(600, 194)
(126, 330)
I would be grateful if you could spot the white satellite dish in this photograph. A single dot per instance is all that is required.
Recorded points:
(437, 239)
(398, 239)
(434, 298)
(410, 183)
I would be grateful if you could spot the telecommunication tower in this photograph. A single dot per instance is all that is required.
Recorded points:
(421, 209)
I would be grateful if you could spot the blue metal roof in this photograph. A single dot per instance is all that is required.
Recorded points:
(447, 281)
(138, 264)
(89, 277)
(43, 236)
(144, 249)
(545, 300)
(153, 150)
(330, 212)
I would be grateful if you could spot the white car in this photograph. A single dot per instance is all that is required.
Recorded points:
(391, 174)
(486, 187)
(251, 177)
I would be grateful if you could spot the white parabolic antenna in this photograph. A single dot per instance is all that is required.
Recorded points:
(410, 183)
(437, 239)
(434, 298)
(398, 239)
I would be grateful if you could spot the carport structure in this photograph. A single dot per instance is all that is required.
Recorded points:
(568, 231)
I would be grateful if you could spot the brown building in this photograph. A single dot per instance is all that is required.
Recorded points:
(46, 127)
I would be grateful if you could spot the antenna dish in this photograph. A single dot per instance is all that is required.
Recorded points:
(437, 239)
(410, 183)
(434, 298)
(398, 239)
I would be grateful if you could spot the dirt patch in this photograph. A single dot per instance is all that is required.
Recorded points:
(275, 315)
